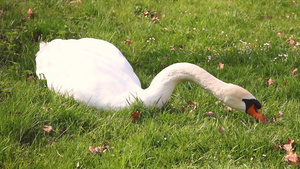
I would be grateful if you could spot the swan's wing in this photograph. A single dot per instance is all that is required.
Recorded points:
(86, 68)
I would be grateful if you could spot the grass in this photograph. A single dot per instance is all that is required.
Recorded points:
(241, 34)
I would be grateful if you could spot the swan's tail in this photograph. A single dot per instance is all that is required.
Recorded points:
(40, 62)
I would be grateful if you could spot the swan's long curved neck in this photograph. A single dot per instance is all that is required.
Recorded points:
(165, 82)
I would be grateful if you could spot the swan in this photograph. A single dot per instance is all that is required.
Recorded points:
(95, 72)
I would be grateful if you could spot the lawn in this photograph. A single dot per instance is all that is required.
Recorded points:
(257, 41)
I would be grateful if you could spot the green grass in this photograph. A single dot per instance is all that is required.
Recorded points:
(166, 138)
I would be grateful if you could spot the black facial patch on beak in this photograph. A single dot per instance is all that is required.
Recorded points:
(250, 102)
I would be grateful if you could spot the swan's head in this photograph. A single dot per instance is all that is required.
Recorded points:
(240, 99)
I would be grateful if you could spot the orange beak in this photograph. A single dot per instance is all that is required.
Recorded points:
(256, 114)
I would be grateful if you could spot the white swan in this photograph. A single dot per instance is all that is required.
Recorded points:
(96, 73)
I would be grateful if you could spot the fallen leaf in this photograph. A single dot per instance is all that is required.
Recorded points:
(194, 104)
(135, 116)
(269, 81)
(221, 130)
(48, 129)
(221, 66)
(287, 16)
(127, 41)
(30, 14)
(278, 147)
(280, 114)
(288, 146)
(217, 102)
(180, 47)
(92, 149)
(166, 29)
(294, 2)
(183, 108)
(229, 109)
(100, 149)
(154, 19)
(280, 34)
(292, 158)
(210, 114)
(278, 117)
(30, 79)
(294, 70)
(291, 40)
(146, 13)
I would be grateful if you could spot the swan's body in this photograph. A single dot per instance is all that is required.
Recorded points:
(96, 73)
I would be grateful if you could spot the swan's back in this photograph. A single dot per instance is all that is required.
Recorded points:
(93, 71)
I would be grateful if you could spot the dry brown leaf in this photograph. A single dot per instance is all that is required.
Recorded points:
(30, 79)
(180, 47)
(194, 104)
(221, 66)
(292, 158)
(146, 13)
(92, 149)
(154, 18)
(280, 34)
(127, 41)
(278, 117)
(294, 70)
(217, 102)
(221, 130)
(269, 81)
(278, 147)
(288, 146)
(48, 129)
(100, 149)
(135, 116)
(30, 14)
(229, 109)
(210, 114)
(183, 108)
(291, 40)
(191, 103)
